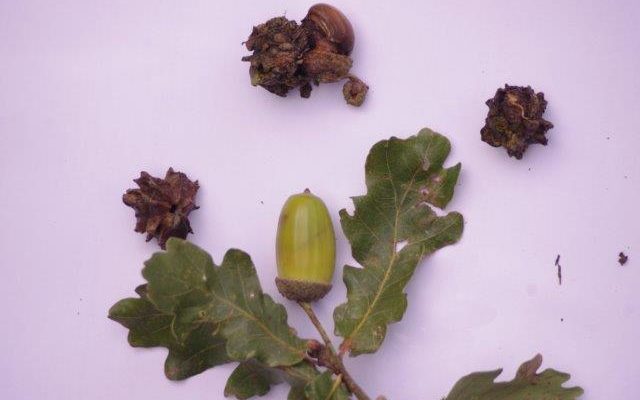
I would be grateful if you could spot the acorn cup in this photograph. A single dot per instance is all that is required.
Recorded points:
(305, 248)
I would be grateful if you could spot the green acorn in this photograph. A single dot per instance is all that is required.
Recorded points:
(305, 248)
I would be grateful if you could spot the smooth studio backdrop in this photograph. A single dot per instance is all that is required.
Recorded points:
(92, 92)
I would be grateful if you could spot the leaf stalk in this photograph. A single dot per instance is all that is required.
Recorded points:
(335, 362)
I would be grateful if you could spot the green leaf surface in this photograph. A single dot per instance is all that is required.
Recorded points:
(149, 327)
(184, 282)
(252, 378)
(180, 318)
(324, 387)
(403, 177)
(527, 384)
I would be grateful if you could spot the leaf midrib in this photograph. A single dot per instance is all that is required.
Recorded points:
(334, 388)
(241, 310)
(394, 253)
(259, 323)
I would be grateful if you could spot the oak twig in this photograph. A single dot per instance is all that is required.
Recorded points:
(330, 359)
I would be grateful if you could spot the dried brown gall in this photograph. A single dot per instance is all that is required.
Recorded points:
(354, 91)
(162, 206)
(287, 55)
(515, 120)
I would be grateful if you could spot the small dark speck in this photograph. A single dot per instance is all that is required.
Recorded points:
(622, 258)
(561, 319)
(529, 169)
(608, 138)
(78, 313)
(261, 202)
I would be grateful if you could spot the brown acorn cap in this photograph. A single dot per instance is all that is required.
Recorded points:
(304, 291)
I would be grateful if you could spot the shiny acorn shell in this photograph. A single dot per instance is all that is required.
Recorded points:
(305, 248)
(334, 25)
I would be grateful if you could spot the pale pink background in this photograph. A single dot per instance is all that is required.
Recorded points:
(91, 92)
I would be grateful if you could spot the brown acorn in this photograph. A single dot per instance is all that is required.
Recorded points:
(330, 27)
